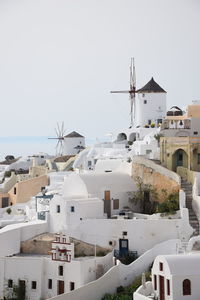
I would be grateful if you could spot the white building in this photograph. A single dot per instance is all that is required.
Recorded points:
(174, 277)
(73, 143)
(41, 276)
(150, 105)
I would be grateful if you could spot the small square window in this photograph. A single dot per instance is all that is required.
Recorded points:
(10, 283)
(34, 285)
(195, 132)
(161, 266)
(124, 233)
(60, 270)
(58, 209)
(145, 101)
(50, 284)
(72, 286)
(116, 204)
(72, 209)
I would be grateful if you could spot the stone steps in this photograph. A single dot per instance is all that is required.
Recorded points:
(187, 188)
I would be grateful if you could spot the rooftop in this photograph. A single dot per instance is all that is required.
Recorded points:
(152, 87)
(73, 134)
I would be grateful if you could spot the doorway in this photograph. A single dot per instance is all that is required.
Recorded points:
(22, 289)
(161, 288)
(107, 203)
(61, 287)
(123, 247)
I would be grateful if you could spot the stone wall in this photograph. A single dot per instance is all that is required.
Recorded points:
(159, 177)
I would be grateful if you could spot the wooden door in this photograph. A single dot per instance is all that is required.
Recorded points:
(107, 203)
(61, 287)
(161, 288)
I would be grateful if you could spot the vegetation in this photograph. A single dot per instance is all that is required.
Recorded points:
(17, 292)
(126, 293)
(7, 174)
(146, 196)
(158, 136)
(170, 205)
(9, 210)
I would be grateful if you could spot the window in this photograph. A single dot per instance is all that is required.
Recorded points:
(49, 284)
(195, 132)
(186, 287)
(168, 287)
(145, 101)
(143, 95)
(15, 190)
(60, 270)
(34, 285)
(10, 283)
(148, 151)
(124, 233)
(159, 121)
(149, 122)
(58, 208)
(115, 203)
(161, 266)
(72, 285)
(72, 209)
(155, 282)
(198, 158)
(89, 163)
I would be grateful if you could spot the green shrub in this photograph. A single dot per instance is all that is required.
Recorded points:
(9, 210)
(170, 205)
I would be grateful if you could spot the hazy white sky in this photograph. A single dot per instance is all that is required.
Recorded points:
(59, 59)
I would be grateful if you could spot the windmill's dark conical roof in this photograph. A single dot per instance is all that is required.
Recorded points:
(151, 87)
(73, 134)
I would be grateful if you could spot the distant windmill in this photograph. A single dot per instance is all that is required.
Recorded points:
(132, 91)
(60, 131)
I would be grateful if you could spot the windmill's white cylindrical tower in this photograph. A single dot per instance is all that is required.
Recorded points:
(150, 105)
(73, 143)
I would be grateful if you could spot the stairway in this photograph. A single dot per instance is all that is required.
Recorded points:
(187, 188)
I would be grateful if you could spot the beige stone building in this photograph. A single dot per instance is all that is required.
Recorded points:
(180, 144)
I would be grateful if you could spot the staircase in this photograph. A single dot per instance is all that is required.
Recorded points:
(187, 188)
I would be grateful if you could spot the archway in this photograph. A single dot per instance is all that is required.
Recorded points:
(179, 159)
(121, 137)
(132, 137)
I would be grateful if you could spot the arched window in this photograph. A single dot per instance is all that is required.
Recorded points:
(186, 287)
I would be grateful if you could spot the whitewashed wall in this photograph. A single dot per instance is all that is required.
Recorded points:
(119, 274)
(12, 235)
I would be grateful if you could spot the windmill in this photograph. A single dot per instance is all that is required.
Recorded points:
(60, 131)
(132, 91)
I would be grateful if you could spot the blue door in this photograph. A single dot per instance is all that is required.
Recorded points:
(123, 247)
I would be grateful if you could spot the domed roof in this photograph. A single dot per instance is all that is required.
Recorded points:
(74, 187)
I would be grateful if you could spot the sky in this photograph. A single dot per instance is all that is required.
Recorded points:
(59, 60)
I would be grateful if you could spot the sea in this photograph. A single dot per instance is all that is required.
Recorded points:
(29, 145)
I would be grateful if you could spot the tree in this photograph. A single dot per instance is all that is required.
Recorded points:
(146, 196)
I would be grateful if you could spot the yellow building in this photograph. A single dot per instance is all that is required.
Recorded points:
(180, 144)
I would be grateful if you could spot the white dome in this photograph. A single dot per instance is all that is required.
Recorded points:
(74, 187)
